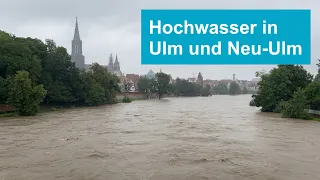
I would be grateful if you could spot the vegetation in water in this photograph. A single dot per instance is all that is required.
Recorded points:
(290, 90)
(126, 100)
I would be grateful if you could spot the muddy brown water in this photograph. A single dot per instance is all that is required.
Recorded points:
(220, 137)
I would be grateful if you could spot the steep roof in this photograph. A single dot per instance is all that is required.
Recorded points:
(151, 74)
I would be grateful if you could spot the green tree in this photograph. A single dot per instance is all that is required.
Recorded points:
(25, 97)
(221, 88)
(18, 54)
(60, 76)
(3, 90)
(146, 85)
(234, 88)
(279, 85)
(51, 65)
(93, 80)
(183, 87)
(96, 95)
(162, 84)
(261, 73)
(206, 91)
(317, 78)
(245, 90)
(107, 80)
(312, 92)
(296, 107)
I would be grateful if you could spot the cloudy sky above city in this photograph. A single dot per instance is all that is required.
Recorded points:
(113, 26)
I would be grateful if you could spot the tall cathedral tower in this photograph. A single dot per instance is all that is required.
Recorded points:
(76, 54)
(116, 65)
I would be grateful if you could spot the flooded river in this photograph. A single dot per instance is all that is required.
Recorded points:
(219, 137)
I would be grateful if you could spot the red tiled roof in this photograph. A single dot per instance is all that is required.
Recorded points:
(133, 77)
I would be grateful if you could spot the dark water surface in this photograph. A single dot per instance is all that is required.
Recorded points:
(220, 137)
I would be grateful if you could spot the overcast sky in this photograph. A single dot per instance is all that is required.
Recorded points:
(113, 26)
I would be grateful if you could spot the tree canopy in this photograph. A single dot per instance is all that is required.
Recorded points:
(279, 85)
(221, 88)
(45, 67)
(317, 78)
(146, 85)
(234, 89)
(183, 87)
(162, 84)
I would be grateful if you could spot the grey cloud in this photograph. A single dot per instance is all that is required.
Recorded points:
(113, 26)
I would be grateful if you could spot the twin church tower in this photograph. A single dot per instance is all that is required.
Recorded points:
(79, 60)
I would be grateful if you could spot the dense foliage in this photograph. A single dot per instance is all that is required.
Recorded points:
(160, 85)
(47, 74)
(146, 85)
(312, 92)
(24, 96)
(279, 85)
(183, 87)
(234, 89)
(126, 100)
(206, 91)
(221, 88)
(297, 106)
(288, 89)
(245, 90)
(317, 78)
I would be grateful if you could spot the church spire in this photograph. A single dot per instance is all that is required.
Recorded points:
(116, 61)
(76, 53)
(76, 31)
(116, 64)
(110, 65)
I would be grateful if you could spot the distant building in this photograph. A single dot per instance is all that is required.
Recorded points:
(242, 84)
(226, 82)
(210, 83)
(192, 80)
(253, 84)
(132, 82)
(151, 74)
(114, 67)
(76, 53)
(78, 58)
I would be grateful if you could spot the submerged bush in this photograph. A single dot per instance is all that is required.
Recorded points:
(297, 107)
(252, 103)
(126, 100)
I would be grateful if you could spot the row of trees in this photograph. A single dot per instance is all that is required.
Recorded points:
(32, 71)
(234, 89)
(288, 89)
(183, 87)
(161, 85)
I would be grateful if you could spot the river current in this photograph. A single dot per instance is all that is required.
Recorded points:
(201, 138)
